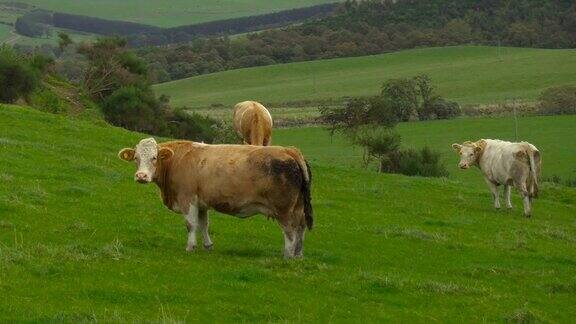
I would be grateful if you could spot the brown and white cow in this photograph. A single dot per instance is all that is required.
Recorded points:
(253, 123)
(238, 180)
(504, 163)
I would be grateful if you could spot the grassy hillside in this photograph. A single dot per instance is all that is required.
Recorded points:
(467, 74)
(79, 240)
(173, 12)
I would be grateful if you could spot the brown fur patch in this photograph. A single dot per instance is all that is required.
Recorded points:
(287, 171)
(225, 208)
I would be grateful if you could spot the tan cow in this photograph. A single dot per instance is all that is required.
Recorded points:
(253, 123)
(504, 163)
(238, 180)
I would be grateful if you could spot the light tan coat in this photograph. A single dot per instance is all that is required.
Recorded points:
(239, 180)
(504, 163)
(253, 122)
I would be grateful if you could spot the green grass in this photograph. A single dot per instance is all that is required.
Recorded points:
(4, 32)
(80, 241)
(173, 12)
(467, 74)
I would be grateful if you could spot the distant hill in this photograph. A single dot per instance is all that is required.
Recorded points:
(170, 13)
(467, 74)
(373, 27)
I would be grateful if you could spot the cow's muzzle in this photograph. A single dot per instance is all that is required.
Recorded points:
(463, 166)
(142, 177)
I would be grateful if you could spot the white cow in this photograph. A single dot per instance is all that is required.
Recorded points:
(504, 163)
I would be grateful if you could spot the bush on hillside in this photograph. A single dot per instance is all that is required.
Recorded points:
(225, 134)
(424, 162)
(193, 126)
(378, 143)
(136, 109)
(358, 112)
(439, 108)
(558, 101)
(19, 76)
(383, 144)
(46, 100)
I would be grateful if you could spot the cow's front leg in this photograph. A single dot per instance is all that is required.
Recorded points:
(495, 194)
(508, 193)
(192, 225)
(204, 223)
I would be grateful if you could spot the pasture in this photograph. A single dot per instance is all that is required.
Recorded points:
(173, 12)
(466, 74)
(80, 241)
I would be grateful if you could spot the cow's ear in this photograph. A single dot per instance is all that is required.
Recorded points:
(481, 144)
(165, 153)
(126, 154)
(456, 147)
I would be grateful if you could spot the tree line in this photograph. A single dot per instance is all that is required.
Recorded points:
(372, 27)
(36, 23)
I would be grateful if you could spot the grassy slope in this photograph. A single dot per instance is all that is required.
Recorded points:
(4, 32)
(467, 74)
(173, 12)
(80, 240)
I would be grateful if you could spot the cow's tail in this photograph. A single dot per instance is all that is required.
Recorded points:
(256, 131)
(305, 189)
(534, 159)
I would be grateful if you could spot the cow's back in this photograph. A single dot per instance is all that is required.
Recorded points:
(501, 159)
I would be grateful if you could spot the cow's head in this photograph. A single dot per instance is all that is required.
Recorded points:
(469, 152)
(147, 156)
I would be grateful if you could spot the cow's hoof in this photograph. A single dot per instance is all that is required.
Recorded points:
(209, 247)
(191, 248)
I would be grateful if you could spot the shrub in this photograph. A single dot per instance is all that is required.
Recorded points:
(48, 101)
(18, 77)
(358, 112)
(225, 134)
(134, 108)
(402, 97)
(424, 162)
(193, 126)
(558, 101)
(378, 143)
(439, 108)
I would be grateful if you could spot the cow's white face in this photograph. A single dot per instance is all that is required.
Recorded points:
(469, 153)
(147, 155)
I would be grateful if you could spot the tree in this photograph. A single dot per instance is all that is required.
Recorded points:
(19, 76)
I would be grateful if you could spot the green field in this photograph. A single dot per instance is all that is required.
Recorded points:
(172, 12)
(467, 74)
(80, 241)
(4, 33)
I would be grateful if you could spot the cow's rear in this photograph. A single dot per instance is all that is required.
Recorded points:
(253, 122)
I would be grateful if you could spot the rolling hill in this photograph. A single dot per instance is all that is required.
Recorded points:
(173, 12)
(80, 241)
(467, 74)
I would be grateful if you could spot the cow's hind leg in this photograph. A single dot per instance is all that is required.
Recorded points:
(299, 241)
(521, 186)
(204, 223)
(495, 194)
(192, 225)
(508, 192)
(290, 238)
